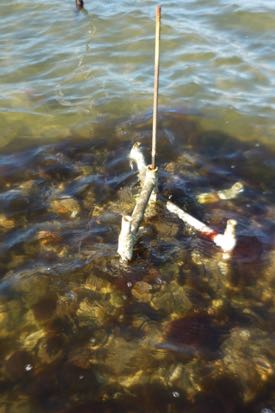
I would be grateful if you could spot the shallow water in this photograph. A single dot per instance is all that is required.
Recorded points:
(183, 328)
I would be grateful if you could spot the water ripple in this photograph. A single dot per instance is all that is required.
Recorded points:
(215, 55)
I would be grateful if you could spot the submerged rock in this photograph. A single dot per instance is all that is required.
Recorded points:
(139, 329)
(94, 312)
(67, 207)
(122, 357)
(30, 341)
(32, 286)
(48, 237)
(50, 348)
(98, 284)
(80, 357)
(4, 321)
(172, 298)
(166, 229)
(249, 356)
(11, 314)
(142, 291)
(6, 223)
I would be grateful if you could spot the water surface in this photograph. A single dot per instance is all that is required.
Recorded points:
(183, 328)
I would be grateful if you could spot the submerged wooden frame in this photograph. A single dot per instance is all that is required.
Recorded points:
(147, 198)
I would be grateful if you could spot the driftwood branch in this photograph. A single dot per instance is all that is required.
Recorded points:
(130, 224)
(136, 157)
(143, 199)
(126, 239)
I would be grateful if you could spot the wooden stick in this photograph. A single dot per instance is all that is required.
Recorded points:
(156, 87)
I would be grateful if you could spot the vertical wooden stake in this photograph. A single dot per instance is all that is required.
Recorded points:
(156, 87)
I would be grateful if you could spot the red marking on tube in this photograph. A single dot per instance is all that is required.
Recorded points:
(209, 234)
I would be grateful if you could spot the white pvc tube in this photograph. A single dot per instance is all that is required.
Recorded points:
(226, 241)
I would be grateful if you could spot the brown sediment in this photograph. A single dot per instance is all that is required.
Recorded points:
(18, 364)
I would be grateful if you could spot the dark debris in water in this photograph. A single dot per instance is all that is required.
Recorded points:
(181, 329)
(197, 331)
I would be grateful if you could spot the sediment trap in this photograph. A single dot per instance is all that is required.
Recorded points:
(149, 194)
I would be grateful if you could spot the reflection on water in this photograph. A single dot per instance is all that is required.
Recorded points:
(181, 329)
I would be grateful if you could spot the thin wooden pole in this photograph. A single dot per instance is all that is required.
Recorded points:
(156, 87)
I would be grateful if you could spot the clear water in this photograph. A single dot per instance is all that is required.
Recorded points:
(181, 329)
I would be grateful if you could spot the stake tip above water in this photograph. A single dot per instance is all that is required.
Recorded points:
(156, 86)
